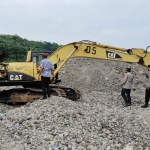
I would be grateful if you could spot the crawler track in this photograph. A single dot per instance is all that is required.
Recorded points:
(31, 94)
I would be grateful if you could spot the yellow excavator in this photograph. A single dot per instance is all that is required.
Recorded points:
(26, 73)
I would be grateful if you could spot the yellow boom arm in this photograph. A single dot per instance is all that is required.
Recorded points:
(99, 51)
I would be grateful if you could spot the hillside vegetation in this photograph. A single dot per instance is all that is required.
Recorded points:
(17, 47)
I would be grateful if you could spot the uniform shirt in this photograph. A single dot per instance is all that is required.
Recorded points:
(46, 65)
(127, 81)
(147, 74)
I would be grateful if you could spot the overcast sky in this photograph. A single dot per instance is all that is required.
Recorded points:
(122, 23)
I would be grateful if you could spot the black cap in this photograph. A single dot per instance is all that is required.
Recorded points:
(148, 66)
(129, 69)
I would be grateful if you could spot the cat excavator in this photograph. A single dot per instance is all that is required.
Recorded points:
(25, 74)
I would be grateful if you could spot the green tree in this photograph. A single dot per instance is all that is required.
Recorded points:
(17, 47)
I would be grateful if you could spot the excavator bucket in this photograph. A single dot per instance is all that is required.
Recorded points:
(3, 56)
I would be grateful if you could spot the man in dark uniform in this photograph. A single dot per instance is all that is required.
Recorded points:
(126, 87)
(147, 90)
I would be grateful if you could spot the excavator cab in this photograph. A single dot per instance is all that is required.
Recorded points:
(36, 56)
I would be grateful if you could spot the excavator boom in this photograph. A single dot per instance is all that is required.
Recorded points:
(98, 51)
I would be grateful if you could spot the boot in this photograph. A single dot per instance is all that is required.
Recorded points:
(43, 98)
(127, 104)
(144, 106)
(48, 95)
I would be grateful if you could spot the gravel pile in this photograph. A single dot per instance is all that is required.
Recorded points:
(98, 121)
(99, 75)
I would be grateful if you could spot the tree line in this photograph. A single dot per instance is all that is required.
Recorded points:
(17, 47)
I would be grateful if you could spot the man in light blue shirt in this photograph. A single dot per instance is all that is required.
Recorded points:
(46, 69)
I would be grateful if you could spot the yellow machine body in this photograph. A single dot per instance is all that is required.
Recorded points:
(22, 71)
(28, 71)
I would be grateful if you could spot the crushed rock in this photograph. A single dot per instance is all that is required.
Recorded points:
(98, 121)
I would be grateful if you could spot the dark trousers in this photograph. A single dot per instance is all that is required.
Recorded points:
(45, 86)
(125, 93)
(147, 96)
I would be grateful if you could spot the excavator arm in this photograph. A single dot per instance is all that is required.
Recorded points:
(90, 49)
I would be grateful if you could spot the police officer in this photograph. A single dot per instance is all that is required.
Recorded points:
(126, 87)
(147, 90)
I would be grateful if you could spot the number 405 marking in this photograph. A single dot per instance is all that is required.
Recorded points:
(90, 50)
